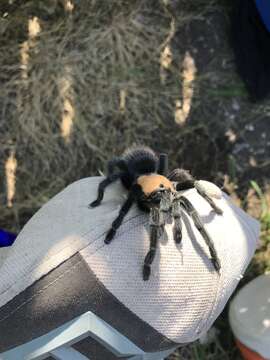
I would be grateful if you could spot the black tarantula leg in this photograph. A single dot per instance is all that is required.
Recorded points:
(156, 225)
(154, 234)
(163, 164)
(189, 208)
(177, 229)
(186, 181)
(183, 178)
(210, 201)
(116, 162)
(102, 186)
(118, 221)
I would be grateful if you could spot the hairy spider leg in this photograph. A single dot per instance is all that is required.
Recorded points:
(211, 202)
(151, 253)
(186, 181)
(102, 186)
(156, 223)
(116, 162)
(163, 164)
(183, 178)
(177, 215)
(189, 208)
(118, 221)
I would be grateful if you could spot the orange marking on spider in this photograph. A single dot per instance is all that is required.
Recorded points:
(153, 182)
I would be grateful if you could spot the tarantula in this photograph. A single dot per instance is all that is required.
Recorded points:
(144, 175)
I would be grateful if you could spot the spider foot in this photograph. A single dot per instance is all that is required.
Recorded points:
(94, 204)
(149, 257)
(146, 272)
(177, 230)
(216, 264)
(217, 209)
(109, 236)
(177, 236)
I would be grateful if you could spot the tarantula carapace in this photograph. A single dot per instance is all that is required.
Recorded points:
(146, 178)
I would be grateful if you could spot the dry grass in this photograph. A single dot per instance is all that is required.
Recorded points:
(67, 72)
